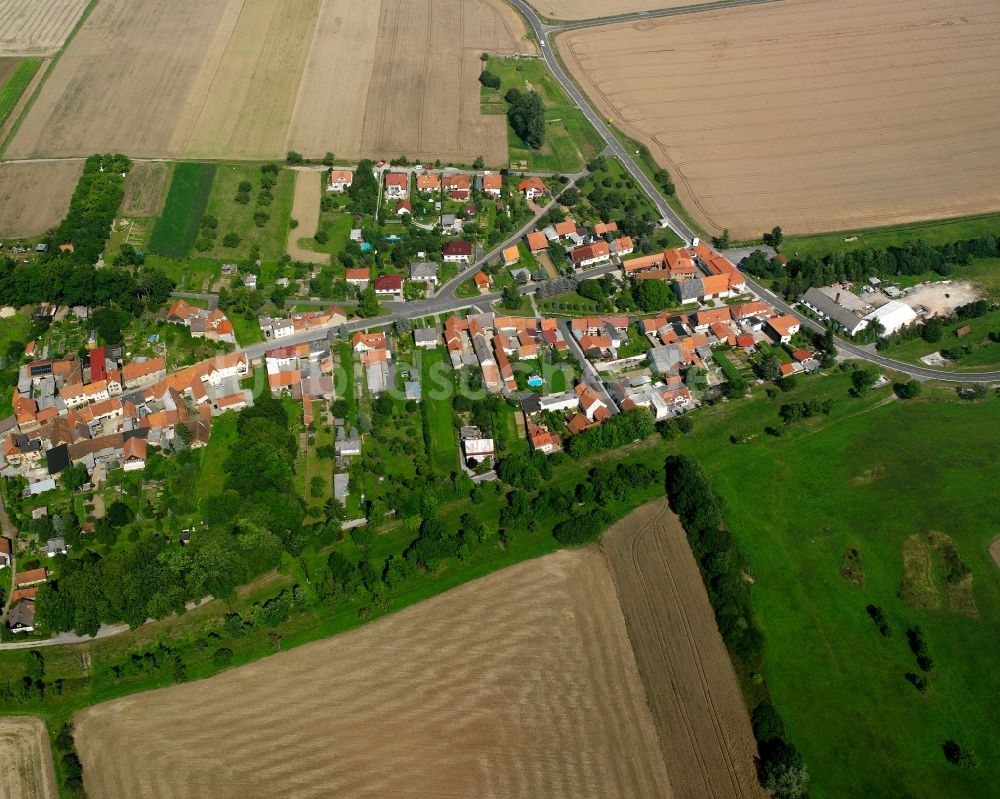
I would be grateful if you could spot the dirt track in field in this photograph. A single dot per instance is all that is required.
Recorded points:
(703, 725)
(25, 759)
(305, 208)
(254, 78)
(37, 27)
(35, 196)
(810, 114)
(520, 684)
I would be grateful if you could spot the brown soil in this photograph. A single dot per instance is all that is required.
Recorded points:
(37, 27)
(35, 196)
(730, 102)
(145, 189)
(7, 68)
(851, 568)
(703, 725)
(520, 684)
(25, 759)
(255, 78)
(591, 9)
(305, 208)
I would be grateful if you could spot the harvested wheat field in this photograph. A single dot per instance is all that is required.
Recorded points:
(591, 9)
(520, 684)
(305, 210)
(37, 27)
(25, 759)
(703, 725)
(145, 189)
(810, 114)
(35, 196)
(124, 81)
(254, 78)
(420, 96)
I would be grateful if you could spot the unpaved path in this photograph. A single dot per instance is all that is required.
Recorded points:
(305, 208)
(703, 724)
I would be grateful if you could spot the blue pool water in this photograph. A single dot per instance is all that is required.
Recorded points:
(365, 246)
(535, 381)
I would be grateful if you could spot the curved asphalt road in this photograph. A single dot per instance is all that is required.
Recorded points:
(542, 32)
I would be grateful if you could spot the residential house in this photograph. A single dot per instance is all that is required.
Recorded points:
(537, 242)
(21, 618)
(475, 448)
(493, 185)
(397, 185)
(143, 372)
(542, 440)
(403, 208)
(458, 252)
(590, 254)
(511, 256)
(31, 577)
(389, 287)
(424, 272)
(532, 188)
(426, 338)
(6, 552)
(483, 281)
(427, 183)
(591, 403)
(358, 277)
(782, 328)
(56, 546)
(366, 342)
(458, 185)
(622, 246)
(340, 180)
(602, 228)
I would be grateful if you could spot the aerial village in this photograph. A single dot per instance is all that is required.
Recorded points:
(555, 376)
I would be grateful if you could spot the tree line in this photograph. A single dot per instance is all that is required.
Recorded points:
(912, 258)
(780, 767)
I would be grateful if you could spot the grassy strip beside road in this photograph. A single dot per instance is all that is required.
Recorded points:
(570, 140)
(15, 85)
(177, 227)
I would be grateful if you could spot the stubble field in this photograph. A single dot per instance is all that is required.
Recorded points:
(591, 9)
(145, 189)
(520, 684)
(703, 726)
(810, 114)
(253, 79)
(35, 196)
(37, 27)
(25, 760)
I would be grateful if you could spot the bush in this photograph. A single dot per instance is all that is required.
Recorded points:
(294, 158)
(489, 80)
(261, 218)
(908, 390)
(230, 240)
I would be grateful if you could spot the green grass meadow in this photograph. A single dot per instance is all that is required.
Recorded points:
(177, 227)
(869, 478)
(435, 370)
(936, 232)
(14, 86)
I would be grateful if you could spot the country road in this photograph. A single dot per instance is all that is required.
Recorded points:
(543, 31)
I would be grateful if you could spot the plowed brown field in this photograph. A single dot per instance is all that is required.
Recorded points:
(37, 27)
(810, 114)
(591, 9)
(25, 760)
(254, 78)
(520, 684)
(703, 725)
(35, 196)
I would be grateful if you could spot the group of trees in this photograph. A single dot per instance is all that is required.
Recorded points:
(912, 258)
(617, 431)
(780, 766)
(526, 115)
(87, 224)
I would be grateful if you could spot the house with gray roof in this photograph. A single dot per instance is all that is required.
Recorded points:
(828, 308)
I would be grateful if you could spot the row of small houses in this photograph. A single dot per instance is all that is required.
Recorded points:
(457, 185)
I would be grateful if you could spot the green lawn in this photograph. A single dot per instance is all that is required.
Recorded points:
(190, 274)
(212, 478)
(437, 385)
(247, 330)
(13, 88)
(870, 480)
(570, 140)
(935, 232)
(238, 218)
(177, 227)
(13, 330)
